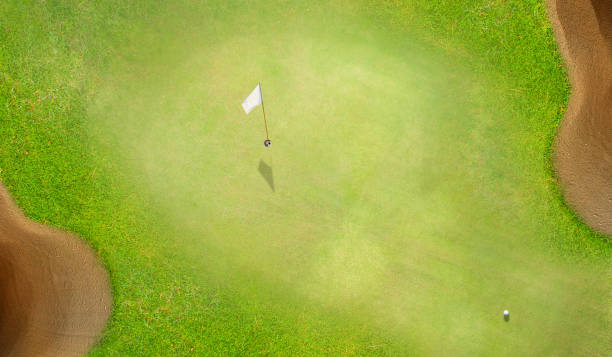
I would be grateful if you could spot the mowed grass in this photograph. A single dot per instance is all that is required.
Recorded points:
(413, 196)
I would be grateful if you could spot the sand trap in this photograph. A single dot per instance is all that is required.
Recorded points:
(583, 154)
(54, 295)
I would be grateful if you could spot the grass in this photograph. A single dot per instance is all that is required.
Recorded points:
(414, 197)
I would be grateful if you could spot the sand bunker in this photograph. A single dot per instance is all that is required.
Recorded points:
(54, 295)
(583, 154)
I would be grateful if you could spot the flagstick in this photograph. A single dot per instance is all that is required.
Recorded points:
(264, 112)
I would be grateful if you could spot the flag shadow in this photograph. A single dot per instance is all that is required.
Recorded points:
(266, 172)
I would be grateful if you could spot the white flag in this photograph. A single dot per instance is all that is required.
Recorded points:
(254, 99)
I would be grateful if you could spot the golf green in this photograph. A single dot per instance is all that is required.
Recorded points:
(406, 200)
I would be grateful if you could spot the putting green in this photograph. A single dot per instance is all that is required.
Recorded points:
(401, 199)
(406, 201)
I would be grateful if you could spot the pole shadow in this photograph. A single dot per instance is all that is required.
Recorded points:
(266, 172)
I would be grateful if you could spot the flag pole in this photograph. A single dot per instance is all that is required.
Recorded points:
(264, 112)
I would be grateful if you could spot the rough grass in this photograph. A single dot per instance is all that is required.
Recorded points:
(414, 198)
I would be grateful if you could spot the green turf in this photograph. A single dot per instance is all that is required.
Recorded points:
(413, 198)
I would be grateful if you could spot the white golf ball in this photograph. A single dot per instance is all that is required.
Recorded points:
(506, 312)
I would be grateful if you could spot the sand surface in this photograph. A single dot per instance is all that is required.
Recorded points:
(583, 153)
(54, 294)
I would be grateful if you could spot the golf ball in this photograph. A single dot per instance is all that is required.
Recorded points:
(506, 313)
